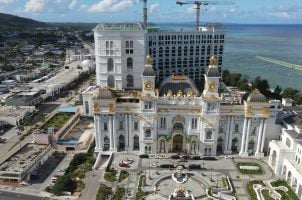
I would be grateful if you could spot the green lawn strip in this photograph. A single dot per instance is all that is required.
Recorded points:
(123, 175)
(57, 121)
(265, 194)
(285, 195)
(250, 188)
(224, 182)
(119, 193)
(140, 194)
(104, 193)
(246, 171)
(110, 175)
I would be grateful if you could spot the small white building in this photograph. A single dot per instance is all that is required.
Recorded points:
(285, 156)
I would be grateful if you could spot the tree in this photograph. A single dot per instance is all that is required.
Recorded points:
(278, 90)
(64, 183)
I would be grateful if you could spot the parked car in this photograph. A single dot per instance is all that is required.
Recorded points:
(175, 157)
(208, 158)
(194, 166)
(182, 160)
(196, 158)
(185, 157)
(3, 140)
(143, 156)
(167, 166)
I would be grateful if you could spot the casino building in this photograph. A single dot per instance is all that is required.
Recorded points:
(175, 117)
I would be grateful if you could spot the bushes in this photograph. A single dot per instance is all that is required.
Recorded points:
(123, 175)
(64, 183)
(251, 190)
(265, 194)
(110, 175)
(285, 195)
(247, 171)
(104, 193)
(119, 193)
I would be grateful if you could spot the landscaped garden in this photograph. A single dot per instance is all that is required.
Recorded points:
(104, 193)
(289, 195)
(123, 175)
(249, 168)
(57, 121)
(110, 175)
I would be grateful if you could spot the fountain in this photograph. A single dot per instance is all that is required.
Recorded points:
(181, 193)
(179, 176)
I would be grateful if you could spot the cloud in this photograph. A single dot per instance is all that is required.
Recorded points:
(72, 4)
(111, 5)
(6, 1)
(285, 11)
(34, 6)
(154, 7)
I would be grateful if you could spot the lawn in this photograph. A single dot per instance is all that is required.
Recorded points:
(266, 196)
(290, 195)
(110, 175)
(123, 175)
(104, 193)
(247, 171)
(119, 193)
(250, 189)
(57, 121)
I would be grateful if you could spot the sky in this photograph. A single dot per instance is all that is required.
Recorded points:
(241, 11)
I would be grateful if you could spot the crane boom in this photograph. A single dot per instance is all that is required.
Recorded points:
(202, 3)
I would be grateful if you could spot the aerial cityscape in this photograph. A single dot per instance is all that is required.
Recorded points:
(149, 99)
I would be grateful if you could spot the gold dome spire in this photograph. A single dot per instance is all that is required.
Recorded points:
(213, 60)
(148, 60)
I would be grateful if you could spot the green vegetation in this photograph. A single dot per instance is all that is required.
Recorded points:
(104, 193)
(246, 171)
(140, 194)
(123, 175)
(290, 195)
(265, 194)
(242, 82)
(14, 23)
(250, 189)
(119, 193)
(57, 121)
(79, 165)
(224, 182)
(110, 175)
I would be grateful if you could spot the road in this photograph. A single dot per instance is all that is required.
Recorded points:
(15, 196)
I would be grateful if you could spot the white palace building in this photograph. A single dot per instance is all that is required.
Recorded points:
(175, 117)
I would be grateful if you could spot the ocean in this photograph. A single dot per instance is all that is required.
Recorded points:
(245, 42)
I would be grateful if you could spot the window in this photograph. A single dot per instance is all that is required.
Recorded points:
(121, 125)
(109, 48)
(254, 131)
(135, 126)
(105, 126)
(209, 135)
(111, 82)
(162, 122)
(236, 128)
(288, 142)
(86, 107)
(130, 81)
(148, 105)
(129, 47)
(194, 123)
(147, 133)
(130, 63)
(221, 129)
(110, 65)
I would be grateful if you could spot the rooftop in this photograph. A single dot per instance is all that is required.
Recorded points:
(119, 27)
(12, 111)
(23, 158)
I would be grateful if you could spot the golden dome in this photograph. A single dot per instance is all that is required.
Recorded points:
(148, 60)
(213, 61)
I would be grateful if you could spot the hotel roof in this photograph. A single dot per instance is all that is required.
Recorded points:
(119, 27)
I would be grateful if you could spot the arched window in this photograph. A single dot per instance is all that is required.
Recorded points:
(130, 63)
(110, 81)
(185, 51)
(179, 51)
(160, 52)
(110, 65)
(147, 133)
(130, 81)
(167, 50)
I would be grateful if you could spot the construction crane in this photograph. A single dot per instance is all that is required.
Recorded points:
(202, 3)
(145, 13)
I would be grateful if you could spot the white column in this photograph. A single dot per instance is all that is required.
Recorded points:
(247, 136)
(114, 133)
(96, 127)
(227, 133)
(231, 134)
(259, 138)
(243, 136)
(100, 134)
(130, 134)
(263, 135)
(126, 131)
(110, 132)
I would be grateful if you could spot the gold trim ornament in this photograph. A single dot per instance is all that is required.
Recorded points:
(213, 61)
(212, 86)
(148, 60)
(148, 85)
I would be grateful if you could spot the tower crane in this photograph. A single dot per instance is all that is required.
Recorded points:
(202, 3)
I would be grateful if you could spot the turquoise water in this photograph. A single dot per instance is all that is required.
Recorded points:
(280, 42)
(245, 42)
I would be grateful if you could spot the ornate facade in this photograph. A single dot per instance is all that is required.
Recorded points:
(177, 118)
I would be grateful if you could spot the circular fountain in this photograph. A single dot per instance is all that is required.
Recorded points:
(179, 176)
